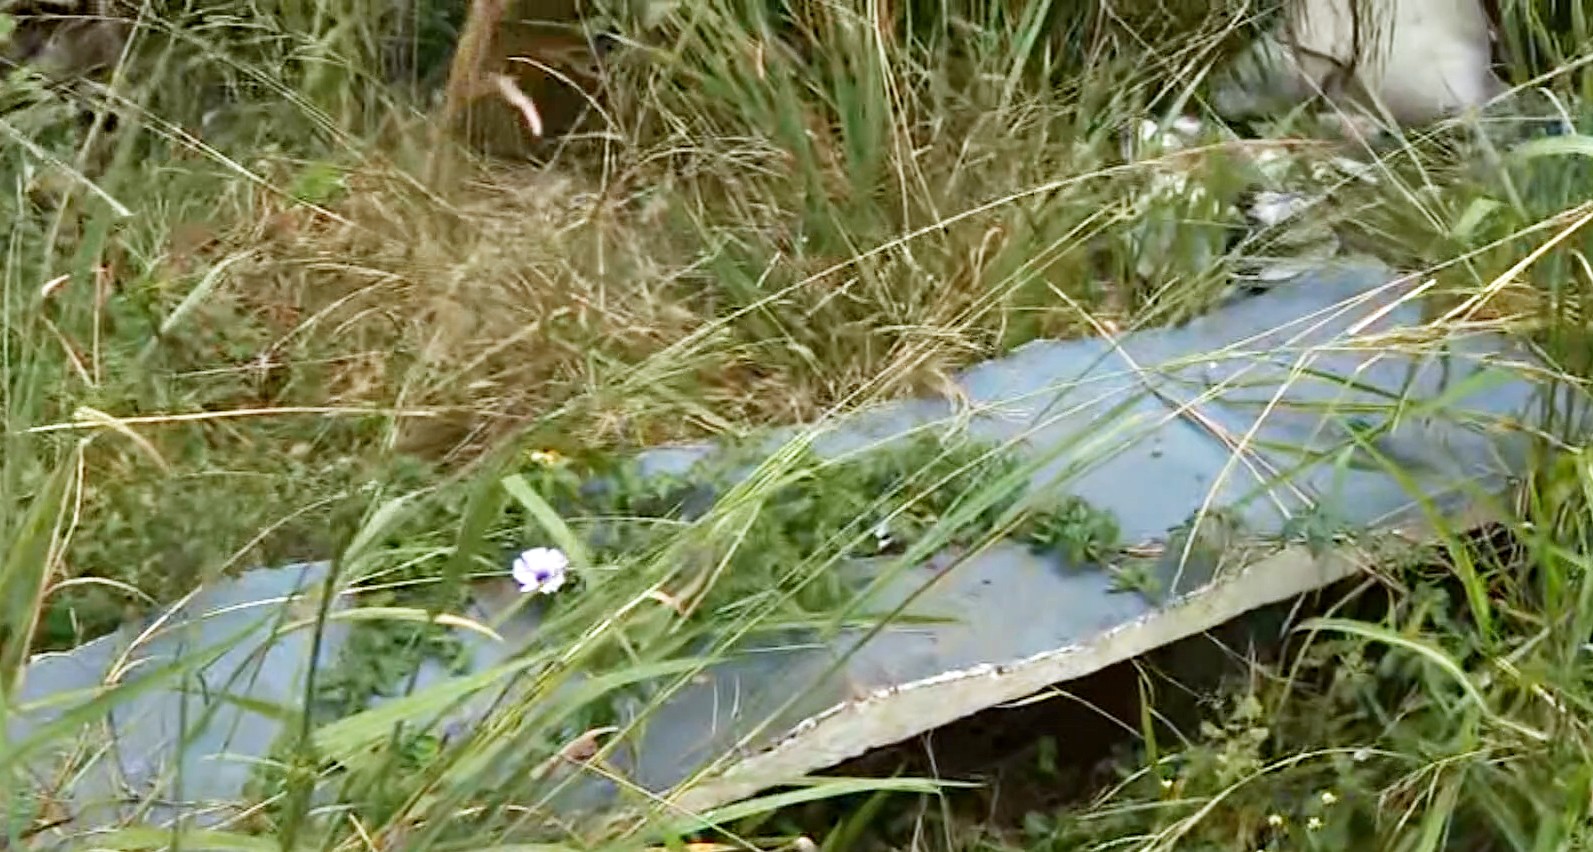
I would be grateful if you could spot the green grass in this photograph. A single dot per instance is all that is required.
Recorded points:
(269, 334)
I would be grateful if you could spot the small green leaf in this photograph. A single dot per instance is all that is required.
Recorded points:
(556, 528)
(1568, 145)
(135, 839)
(1472, 218)
(319, 183)
(818, 791)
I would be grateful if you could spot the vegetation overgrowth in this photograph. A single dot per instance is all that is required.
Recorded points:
(272, 315)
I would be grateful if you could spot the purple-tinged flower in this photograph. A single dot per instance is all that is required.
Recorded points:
(540, 570)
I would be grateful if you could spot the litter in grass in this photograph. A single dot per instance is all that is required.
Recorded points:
(1246, 416)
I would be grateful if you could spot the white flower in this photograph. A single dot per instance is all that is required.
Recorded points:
(882, 536)
(540, 570)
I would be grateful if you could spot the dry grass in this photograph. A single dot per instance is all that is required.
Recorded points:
(747, 236)
(659, 303)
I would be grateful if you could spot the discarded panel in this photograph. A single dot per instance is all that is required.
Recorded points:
(1156, 428)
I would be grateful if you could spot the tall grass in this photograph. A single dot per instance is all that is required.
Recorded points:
(258, 333)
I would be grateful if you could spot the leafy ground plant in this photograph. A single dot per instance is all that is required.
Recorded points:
(777, 558)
